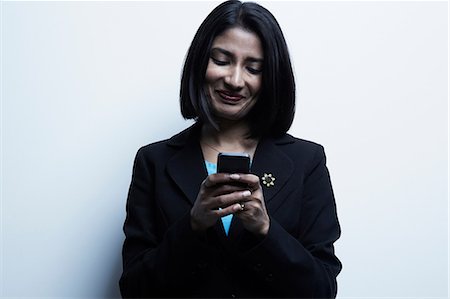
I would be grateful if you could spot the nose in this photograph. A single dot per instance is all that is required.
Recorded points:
(235, 79)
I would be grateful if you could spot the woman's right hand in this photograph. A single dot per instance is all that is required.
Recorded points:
(217, 198)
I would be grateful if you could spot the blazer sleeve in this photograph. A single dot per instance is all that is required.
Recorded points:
(156, 265)
(303, 266)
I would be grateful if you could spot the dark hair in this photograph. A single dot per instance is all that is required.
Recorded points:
(274, 110)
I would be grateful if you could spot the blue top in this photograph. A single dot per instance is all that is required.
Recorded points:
(226, 220)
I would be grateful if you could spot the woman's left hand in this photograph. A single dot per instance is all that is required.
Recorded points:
(254, 215)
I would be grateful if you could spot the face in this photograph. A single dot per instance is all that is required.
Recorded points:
(234, 73)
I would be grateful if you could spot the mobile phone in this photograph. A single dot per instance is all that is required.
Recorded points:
(233, 163)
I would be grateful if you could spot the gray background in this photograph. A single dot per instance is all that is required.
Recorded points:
(85, 84)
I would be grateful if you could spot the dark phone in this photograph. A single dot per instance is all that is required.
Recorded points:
(233, 163)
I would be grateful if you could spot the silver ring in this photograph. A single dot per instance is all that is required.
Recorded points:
(242, 206)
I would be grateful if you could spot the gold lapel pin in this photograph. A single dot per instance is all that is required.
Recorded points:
(268, 180)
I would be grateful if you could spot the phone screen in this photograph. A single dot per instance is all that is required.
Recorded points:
(233, 163)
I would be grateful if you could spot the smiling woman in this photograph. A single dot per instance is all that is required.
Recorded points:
(192, 231)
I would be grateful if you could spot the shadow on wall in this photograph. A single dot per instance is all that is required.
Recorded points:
(112, 287)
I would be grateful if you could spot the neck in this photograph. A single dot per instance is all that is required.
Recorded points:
(229, 138)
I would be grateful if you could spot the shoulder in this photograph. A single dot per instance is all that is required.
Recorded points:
(167, 147)
(153, 148)
(303, 153)
(297, 145)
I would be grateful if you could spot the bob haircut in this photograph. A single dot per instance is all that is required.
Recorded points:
(274, 110)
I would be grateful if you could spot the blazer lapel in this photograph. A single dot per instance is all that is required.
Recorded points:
(268, 160)
(187, 167)
(272, 166)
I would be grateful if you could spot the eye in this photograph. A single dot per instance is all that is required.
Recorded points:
(218, 61)
(254, 71)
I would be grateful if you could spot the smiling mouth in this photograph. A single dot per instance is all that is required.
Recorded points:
(228, 96)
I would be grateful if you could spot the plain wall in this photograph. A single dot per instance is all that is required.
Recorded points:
(85, 84)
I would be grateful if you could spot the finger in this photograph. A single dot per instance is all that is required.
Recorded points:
(219, 178)
(214, 179)
(226, 200)
(228, 210)
(250, 203)
(207, 183)
(248, 179)
(219, 196)
(226, 189)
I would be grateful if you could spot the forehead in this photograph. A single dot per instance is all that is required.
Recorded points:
(239, 42)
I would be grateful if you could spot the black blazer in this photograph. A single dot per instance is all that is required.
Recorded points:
(163, 257)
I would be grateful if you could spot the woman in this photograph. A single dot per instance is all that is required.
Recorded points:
(191, 232)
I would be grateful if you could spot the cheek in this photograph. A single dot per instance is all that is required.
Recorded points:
(211, 76)
(212, 73)
(256, 85)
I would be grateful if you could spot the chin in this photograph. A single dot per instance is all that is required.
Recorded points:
(231, 116)
(235, 113)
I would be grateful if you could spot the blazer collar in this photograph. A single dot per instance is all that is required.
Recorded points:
(187, 167)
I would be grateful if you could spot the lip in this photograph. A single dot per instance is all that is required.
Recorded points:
(229, 96)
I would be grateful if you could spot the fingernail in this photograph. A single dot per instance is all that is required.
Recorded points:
(237, 208)
(235, 176)
(246, 193)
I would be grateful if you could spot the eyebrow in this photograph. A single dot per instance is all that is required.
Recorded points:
(228, 53)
